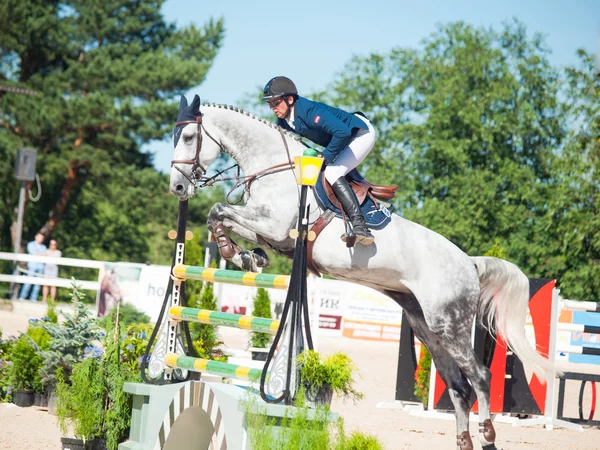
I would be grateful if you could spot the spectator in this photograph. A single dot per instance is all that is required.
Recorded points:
(35, 247)
(51, 270)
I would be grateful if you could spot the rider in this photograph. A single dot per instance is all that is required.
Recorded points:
(347, 139)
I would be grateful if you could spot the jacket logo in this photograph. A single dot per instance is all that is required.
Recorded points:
(317, 119)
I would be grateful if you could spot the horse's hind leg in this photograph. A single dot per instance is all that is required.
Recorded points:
(456, 382)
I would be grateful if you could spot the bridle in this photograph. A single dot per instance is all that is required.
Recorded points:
(197, 174)
(198, 170)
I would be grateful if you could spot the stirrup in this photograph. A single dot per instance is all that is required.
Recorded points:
(363, 239)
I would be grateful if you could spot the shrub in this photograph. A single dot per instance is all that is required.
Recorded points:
(204, 336)
(69, 340)
(335, 371)
(422, 375)
(26, 364)
(262, 308)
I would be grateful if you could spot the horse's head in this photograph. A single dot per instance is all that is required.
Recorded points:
(193, 154)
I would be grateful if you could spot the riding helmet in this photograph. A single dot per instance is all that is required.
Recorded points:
(278, 87)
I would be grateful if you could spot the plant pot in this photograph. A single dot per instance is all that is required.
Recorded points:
(23, 397)
(72, 444)
(316, 397)
(96, 444)
(78, 444)
(52, 399)
(259, 354)
(40, 400)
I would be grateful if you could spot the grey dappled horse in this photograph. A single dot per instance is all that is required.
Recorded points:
(441, 289)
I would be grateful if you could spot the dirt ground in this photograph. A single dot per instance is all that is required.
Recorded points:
(35, 429)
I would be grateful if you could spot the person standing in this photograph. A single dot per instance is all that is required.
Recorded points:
(35, 247)
(51, 270)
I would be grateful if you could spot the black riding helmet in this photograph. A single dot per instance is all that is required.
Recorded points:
(278, 87)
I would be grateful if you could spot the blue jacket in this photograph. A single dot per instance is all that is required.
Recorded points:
(324, 125)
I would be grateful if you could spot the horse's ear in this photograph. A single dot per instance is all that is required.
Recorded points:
(195, 107)
(182, 103)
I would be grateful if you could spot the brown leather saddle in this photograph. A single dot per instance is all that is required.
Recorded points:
(362, 188)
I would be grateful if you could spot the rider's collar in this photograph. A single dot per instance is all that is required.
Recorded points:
(290, 119)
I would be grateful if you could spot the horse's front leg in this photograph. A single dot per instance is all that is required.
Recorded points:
(251, 223)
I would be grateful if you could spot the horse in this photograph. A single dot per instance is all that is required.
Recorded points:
(441, 289)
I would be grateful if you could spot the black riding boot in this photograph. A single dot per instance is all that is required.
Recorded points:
(348, 199)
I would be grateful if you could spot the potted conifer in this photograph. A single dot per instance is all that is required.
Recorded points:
(92, 403)
(23, 371)
(260, 342)
(68, 343)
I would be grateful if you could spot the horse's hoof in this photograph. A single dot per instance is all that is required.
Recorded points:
(248, 261)
(489, 447)
(487, 434)
(463, 441)
(261, 257)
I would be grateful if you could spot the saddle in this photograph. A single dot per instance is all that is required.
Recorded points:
(362, 188)
(369, 197)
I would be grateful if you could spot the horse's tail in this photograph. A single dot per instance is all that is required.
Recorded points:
(503, 305)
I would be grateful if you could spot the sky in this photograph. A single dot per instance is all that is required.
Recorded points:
(309, 41)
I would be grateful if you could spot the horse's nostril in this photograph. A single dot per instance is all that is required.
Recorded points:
(179, 188)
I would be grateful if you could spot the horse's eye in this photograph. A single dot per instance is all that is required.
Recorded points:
(188, 138)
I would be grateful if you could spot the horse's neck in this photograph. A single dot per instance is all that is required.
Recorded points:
(254, 145)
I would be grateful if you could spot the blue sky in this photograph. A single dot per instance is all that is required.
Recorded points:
(311, 40)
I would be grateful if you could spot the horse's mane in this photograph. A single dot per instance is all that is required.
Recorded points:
(254, 116)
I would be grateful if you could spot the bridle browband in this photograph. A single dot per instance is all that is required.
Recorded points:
(197, 174)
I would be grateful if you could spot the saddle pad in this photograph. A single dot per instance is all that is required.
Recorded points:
(376, 217)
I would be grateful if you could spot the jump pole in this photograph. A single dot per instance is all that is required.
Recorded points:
(206, 316)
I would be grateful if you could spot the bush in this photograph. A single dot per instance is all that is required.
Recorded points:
(299, 432)
(134, 345)
(335, 371)
(26, 364)
(69, 340)
(6, 346)
(422, 375)
(262, 308)
(204, 336)
(94, 401)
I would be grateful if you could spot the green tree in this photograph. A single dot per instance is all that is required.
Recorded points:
(470, 129)
(106, 73)
(573, 219)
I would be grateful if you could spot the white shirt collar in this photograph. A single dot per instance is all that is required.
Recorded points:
(290, 120)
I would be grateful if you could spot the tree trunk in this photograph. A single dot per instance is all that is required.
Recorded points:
(71, 181)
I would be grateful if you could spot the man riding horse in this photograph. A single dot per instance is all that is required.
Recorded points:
(347, 138)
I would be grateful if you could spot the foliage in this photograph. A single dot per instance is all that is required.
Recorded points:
(51, 314)
(204, 336)
(262, 308)
(6, 346)
(94, 402)
(360, 441)
(201, 295)
(422, 376)
(302, 430)
(108, 72)
(129, 315)
(26, 363)
(335, 371)
(134, 345)
(69, 340)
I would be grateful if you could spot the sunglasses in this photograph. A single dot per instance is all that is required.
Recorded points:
(274, 103)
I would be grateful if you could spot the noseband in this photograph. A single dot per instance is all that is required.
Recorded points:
(198, 170)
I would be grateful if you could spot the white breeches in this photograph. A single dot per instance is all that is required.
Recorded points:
(354, 153)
